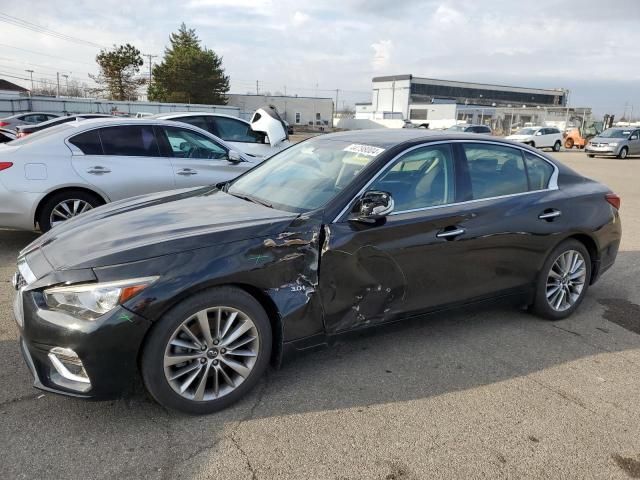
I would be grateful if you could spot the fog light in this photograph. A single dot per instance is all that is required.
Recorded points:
(71, 372)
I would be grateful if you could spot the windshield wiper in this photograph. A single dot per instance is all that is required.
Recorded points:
(249, 198)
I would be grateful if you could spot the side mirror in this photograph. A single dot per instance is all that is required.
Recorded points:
(538, 133)
(373, 206)
(633, 137)
(234, 157)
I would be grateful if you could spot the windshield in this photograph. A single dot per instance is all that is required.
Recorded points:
(527, 131)
(306, 176)
(458, 128)
(615, 133)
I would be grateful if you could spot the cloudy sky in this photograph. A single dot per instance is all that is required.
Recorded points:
(308, 46)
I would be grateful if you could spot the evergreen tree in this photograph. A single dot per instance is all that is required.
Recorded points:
(118, 70)
(188, 72)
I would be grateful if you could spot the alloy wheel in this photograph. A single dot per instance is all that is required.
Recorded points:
(68, 209)
(566, 280)
(211, 353)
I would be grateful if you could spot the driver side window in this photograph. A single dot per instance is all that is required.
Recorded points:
(422, 178)
(185, 143)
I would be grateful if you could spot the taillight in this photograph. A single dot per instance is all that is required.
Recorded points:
(4, 124)
(21, 134)
(5, 165)
(613, 199)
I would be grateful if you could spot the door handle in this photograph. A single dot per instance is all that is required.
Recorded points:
(98, 170)
(450, 233)
(187, 172)
(549, 214)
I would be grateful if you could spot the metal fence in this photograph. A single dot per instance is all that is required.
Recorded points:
(10, 105)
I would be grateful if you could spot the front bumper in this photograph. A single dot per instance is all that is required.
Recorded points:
(108, 347)
(601, 150)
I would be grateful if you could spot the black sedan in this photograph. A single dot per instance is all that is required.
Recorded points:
(199, 290)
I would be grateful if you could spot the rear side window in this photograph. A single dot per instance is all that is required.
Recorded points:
(88, 142)
(495, 170)
(235, 130)
(129, 140)
(538, 170)
(199, 121)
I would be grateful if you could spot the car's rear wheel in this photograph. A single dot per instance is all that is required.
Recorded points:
(208, 351)
(590, 155)
(563, 281)
(624, 151)
(64, 205)
(532, 144)
(556, 146)
(568, 143)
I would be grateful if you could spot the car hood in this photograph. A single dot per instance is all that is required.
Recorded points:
(155, 225)
(607, 140)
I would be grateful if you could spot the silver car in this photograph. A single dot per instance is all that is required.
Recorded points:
(29, 118)
(58, 173)
(616, 142)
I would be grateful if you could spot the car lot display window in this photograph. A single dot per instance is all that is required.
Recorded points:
(495, 170)
(422, 178)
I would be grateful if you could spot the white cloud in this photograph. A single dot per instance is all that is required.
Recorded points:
(299, 19)
(381, 54)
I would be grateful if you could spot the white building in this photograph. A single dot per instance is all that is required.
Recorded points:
(304, 111)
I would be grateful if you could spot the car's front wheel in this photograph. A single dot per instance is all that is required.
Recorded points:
(64, 205)
(208, 351)
(556, 146)
(563, 281)
(590, 155)
(624, 151)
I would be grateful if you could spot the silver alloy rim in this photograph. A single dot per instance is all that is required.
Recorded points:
(68, 209)
(566, 280)
(211, 353)
(623, 153)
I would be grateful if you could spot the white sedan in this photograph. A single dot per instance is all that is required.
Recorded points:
(58, 173)
(265, 135)
(539, 137)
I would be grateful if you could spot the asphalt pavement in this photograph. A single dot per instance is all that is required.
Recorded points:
(489, 393)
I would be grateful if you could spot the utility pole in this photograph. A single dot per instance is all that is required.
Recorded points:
(285, 90)
(31, 74)
(257, 87)
(58, 84)
(150, 57)
(66, 84)
(337, 93)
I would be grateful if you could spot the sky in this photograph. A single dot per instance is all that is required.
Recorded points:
(311, 47)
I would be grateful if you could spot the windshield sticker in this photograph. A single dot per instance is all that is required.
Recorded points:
(367, 150)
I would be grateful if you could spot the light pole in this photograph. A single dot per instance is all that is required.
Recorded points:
(66, 84)
(31, 75)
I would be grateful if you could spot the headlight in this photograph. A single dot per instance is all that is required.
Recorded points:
(89, 301)
(614, 144)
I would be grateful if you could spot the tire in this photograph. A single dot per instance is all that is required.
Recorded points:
(557, 145)
(568, 144)
(532, 144)
(84, 200)
(590, 155)
(624, 151)
(542, 305)
(157, 349)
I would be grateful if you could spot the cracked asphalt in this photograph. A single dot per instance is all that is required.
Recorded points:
(491, 392)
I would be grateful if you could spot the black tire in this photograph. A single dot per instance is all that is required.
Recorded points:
(590, 155)
(541, 305)
(556, 146)
(152, 367)
(50, 203)
(532, 144)
(624, 151)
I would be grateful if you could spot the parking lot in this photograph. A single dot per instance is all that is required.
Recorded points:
(492, 392)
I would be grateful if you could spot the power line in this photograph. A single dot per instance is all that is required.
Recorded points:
(18, 22)
(44, 54)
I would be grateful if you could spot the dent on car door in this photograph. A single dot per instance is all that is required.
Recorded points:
(374, 272)
(121, 161)
(196, 159)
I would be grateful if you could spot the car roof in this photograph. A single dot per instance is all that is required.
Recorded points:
(194, 114)
(389, 137)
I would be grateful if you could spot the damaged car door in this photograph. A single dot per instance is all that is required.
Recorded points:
(374, 270)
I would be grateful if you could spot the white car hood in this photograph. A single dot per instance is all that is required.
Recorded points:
(264, 120)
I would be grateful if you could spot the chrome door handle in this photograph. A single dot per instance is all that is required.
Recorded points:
(187, 172)
(450, 233)
(98, 170)
(550, 214)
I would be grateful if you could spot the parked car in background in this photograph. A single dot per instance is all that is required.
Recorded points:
(618, 142)
(469, 128)
(6, 135)
(66, 170)
(539, 137)
(26, 119)
(198, 290)
(265, 135)
(24, 130)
